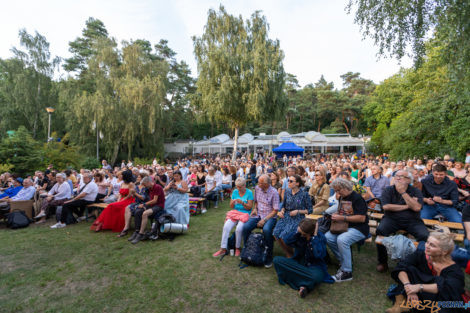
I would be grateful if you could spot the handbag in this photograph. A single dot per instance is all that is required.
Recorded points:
(339, 227)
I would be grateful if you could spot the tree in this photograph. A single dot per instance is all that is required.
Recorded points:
(241, 75)
(126, 107)
(83, 48)
(395, 25)
(21, 151)
(26, 84)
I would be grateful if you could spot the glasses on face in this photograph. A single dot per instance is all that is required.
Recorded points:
(402, 177)
(291, 181)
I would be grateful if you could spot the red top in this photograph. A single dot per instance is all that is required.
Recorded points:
(157, 190)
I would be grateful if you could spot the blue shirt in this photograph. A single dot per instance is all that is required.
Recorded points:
(10, 192)
(247, 196)
(377, 186)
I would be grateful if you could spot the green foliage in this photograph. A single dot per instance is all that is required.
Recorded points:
(90, 163)
(395, 25)
(241, 75)
(421, 112)
(26, 86)
(142, 161)
(61, 155)
(5, 167)
(21, 151)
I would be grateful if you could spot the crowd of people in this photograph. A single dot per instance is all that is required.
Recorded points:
(276, 196)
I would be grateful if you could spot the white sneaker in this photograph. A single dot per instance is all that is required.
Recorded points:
(203, 211)
(42, 214)
(81, 218)
(58, 225)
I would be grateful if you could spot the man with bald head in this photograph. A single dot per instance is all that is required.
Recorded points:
(402, 204)
(264, 215)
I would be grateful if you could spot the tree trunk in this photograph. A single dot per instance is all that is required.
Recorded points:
(344, 124)
(235, 144)
(115, 152)
(319, 125)
(36, 114)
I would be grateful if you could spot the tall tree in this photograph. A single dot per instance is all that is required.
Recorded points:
(241, 75)
(27, 85)
(83, 48)
(127, 104)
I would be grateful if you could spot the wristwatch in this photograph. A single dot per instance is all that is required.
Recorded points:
(421, 288)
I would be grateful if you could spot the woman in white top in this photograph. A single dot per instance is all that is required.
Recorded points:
(115, 186)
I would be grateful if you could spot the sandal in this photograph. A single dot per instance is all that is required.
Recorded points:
(302, 292)
(123, 233)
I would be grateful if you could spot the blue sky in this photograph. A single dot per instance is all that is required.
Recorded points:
(317, 36)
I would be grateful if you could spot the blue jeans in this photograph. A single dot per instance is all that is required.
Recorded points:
(267, 233)
(450, 213)
(340, 245)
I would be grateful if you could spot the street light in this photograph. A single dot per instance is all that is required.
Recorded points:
(49, 111)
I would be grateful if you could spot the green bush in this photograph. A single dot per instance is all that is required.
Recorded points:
(90, 163)
(21, 151)
(62, 156)
(142, 161)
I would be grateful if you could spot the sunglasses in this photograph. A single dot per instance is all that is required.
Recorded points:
(292, 181)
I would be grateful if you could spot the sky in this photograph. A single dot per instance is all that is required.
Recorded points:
(318, 37)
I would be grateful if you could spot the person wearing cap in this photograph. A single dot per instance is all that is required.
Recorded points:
(57, 196)
(14, 189)
(26, 193)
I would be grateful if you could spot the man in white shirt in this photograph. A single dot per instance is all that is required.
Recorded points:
(57, 196)
(26, 193)
(86, 195)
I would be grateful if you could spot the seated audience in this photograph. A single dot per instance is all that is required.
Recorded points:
(402, 204)
(429, 275)
(86, 195)
(25, 193)
(296, 204)
(307, 268)
(141, 196)
(57, 196)
(440, 195)
(352, 209)
(153, 208)
(112, 216)
(12, 191)
(177, 199)
(264, 215)
(376, 183)
(241, 204)
(320, 191)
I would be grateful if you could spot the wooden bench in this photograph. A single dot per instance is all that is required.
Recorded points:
(198, 201)
(94, 206)
(427, 222)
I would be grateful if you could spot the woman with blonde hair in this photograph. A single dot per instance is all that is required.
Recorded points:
(430, 275)
(320, 191)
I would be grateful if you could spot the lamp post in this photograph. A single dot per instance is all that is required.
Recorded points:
(49, 111)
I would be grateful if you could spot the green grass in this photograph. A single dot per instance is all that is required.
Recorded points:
(75, 270)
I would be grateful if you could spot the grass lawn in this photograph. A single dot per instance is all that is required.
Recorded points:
(75, 270)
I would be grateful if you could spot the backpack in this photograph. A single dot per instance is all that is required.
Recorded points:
(17, 219)
(155, 233)
(253, 252)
